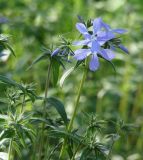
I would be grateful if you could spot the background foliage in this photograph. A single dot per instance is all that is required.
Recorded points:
(35, 24)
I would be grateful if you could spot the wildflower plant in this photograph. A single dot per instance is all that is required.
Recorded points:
(38, 127)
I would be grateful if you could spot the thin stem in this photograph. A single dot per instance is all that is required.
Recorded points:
(44, 109)
(75, 110)
(10, 150)
(77, 100)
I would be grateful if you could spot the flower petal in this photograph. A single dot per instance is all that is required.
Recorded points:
(87, 36)
(106, 26)
(123, 48)
(81, 28)
(94, 63)
(80, 43)
(104, 37)
(96, 25)
(95, 46)
(107, 54)
(56, 51)
(81, 54)
(119, 31)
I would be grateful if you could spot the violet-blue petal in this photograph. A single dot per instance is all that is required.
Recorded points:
(107, 54)
(94, 62)
(113, 48)
(56, 51)
(95, 46)
(81, 54)
(123, 48)
(87, 36)
(119, 31)
(81, 28)
(64, 51)
(96, 25)
(105, 26)
(105, 36)
(80, 43)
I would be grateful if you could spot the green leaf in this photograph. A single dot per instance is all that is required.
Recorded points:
(113, 66)
(65, 75)
(7, 80)
(55, 71)
(59, 107)
(62, 134)
(4, 117)
(9, 47)
(11, 82)
(68, 72)
(4, 141)
(85, 153)
(7, 133)
(38, 59)
(16, 147)
(4, 100)
(70, 148)
(4, 43)
(20, 133)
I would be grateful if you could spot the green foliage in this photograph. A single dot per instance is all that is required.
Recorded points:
(59, 107)
(35, 23)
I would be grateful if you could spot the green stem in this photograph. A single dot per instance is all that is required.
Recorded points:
(44, 110)
(75, 110)
(10, 150)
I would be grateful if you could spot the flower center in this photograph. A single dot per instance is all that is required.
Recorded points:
(94, 37)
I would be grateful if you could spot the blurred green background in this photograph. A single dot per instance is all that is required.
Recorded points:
(33, 24)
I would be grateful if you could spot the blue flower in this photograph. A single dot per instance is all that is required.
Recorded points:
(55, 52)
(94, 40)
(81, 54)
(98, 36)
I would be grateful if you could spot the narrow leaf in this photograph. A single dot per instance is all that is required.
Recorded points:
(65, 75)
(38, 59)
(59, 107)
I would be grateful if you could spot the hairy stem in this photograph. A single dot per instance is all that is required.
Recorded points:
(44, 110)
(75, 110)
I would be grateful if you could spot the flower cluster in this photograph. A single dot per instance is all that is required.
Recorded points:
(99, 41)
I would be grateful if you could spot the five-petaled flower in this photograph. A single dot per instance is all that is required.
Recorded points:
(95, 41)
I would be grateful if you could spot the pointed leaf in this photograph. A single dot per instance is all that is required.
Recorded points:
(85, 153)
(16, 147)
(38, 59)
(59, 107)
(65, 75)
(9, 47)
